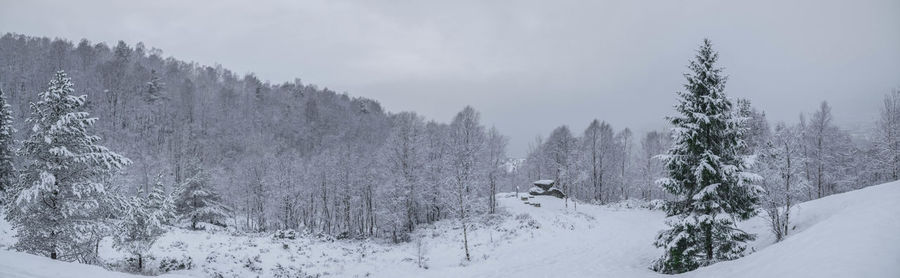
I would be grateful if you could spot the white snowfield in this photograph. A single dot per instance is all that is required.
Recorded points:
(855, 234)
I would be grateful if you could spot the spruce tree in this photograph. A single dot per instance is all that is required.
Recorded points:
(58, 201)
(197, 201)
(707, 174)
(7, 171)
(143, 219)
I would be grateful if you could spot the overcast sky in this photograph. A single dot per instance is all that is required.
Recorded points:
(528, 66)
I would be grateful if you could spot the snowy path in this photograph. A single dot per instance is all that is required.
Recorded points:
(854, 234)
(580, 243)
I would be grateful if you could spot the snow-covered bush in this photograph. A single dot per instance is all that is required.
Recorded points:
(526, 221)
(656, 204)
(167, 264)
(280, 271)
(286, 234)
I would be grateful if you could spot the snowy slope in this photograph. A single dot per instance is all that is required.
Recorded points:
(854, 234)
(20, 265)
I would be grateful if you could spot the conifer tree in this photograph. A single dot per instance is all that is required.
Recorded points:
(707, 174)
(63, 185)
(143, 217)
(197, 201)
(7, 171)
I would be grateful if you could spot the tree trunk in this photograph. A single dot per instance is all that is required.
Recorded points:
(708, 243)
(466, 240)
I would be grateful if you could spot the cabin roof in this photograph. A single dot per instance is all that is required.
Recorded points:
(544, 182)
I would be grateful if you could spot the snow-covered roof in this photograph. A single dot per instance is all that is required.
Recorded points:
(545, 182)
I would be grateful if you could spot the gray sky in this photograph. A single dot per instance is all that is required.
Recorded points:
(528, 66)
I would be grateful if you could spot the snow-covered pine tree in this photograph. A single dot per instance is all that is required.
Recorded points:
(154, 88)
(7, 171)
(143, 217)
(57, 207)
(197, 201)
(706, 174)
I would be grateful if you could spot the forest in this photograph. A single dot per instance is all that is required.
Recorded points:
(230, 150)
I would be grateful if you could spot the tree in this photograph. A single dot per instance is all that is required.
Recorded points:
(466, 142)
(496, 156)
(887, 137)
(706, 174)
(7, 171)
(405, 152)
(624, 153)
(783, 177)
(197, 201)
(654, 143)
(819, 130)
(596, 144)
(57, 207)
(143, 217)
(536, 159)
(560, 148)
(757, 132)
(829, 153)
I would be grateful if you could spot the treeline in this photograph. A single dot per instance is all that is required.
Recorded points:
(282, 156)
(600, 164)
(603, 165)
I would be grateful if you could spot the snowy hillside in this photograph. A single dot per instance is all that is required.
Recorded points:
(846, 235)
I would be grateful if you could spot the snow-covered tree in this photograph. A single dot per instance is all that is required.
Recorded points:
(783, 179)
(887, 137)
(536, 160)
(561, 149)
(757, 132)
(154, 88)
(405, 153)
(466, 143)
(143, 219)
(495, 155)
(596, 144)
(623, 140)
(706, 173)
(654, 143)
(437, 182)
(7, 171)
(62, 187)
(197, 201)
(829, 154)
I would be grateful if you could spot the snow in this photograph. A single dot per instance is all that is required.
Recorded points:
(544, 182)
(21, 265)
(846, 235)
(854, 234)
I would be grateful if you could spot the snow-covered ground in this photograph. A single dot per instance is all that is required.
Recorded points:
(854, 234)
